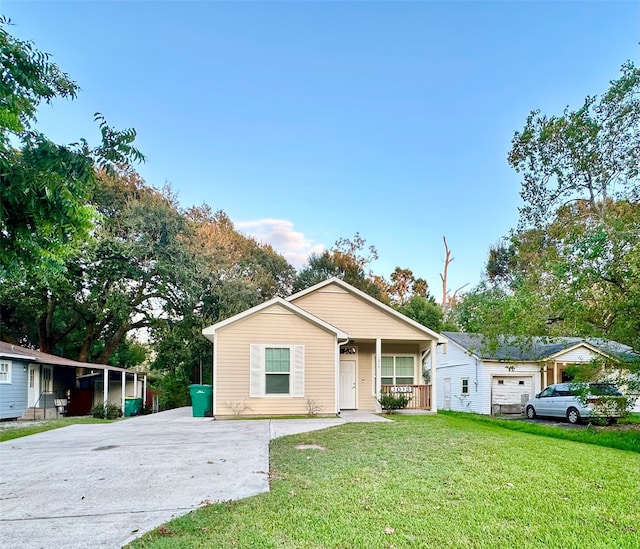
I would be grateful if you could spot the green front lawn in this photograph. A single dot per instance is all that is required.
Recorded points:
(16, 429)
(426, 481)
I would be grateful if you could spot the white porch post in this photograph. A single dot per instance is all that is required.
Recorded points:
(336, 379)
(555, 373)
(378, 373)
(214, 376)
(144, 390)
(434, 401)
(135, 385)
(123, 387)
(105, 387)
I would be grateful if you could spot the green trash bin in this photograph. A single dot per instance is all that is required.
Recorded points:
(132, 406)
(201, 399)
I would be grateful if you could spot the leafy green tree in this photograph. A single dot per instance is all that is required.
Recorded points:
(571, 266)
(135, 271)
(45, 187)
(425, 311)
(591, 154)
(349, 260)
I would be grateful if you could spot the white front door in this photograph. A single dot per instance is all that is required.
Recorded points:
(34, 385)
(347, 385)
(447, 393)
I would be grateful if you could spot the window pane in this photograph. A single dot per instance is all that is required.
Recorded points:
(404, 366)
(404, 381)
(387, 366)
(277, 384)
(386, 380)
(276, 359)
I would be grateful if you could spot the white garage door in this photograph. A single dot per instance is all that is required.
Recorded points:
(510, 393)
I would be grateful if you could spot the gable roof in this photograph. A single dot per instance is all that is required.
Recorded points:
(372, 301)
(210, 331)
(11, 351)
(512, 348)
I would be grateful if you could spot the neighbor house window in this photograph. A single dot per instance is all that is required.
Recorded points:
(276, 370)
(397, 370)
(5, 371)
(465, 385)
(277, 367)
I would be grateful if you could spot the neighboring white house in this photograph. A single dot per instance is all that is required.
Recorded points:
(475, 376)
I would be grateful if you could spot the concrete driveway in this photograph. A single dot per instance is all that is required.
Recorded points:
(103, 485)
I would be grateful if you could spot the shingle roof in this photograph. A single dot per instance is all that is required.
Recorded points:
(10, 350)
(534, 348)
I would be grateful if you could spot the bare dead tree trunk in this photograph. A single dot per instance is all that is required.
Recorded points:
(447, 261)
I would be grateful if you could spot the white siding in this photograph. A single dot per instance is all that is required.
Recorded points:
(457, 364)
(580, 354)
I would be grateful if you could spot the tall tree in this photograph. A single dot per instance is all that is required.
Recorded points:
(44, 187)
(349, 260)
(591, 154)
(571, 266)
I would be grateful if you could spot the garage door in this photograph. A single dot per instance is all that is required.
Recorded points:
(510, 393)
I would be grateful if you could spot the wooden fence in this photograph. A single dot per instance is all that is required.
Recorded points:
(420, 395)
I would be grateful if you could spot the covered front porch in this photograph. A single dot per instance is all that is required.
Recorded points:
(370, 368)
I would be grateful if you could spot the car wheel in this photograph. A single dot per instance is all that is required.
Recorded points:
(531, 412)
(573, 416)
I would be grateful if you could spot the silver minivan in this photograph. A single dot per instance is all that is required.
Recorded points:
(577, 401)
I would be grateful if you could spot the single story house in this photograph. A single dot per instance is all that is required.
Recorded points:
(325, 349)
(473, 375)
(38, 385)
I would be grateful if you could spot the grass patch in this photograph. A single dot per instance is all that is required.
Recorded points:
(425, 481)
(625, 436)
(14, 429)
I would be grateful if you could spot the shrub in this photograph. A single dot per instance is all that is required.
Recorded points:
(391, 401)
(108, 411)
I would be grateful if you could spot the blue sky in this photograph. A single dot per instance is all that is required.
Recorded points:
(310, 121)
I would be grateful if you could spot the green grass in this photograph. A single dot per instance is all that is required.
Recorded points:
(625, 436)
(426, 481)
(10, 431)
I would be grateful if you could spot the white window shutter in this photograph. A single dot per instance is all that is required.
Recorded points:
(298, 370)
(256, 382)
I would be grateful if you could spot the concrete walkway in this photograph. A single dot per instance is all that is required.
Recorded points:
(103, 485)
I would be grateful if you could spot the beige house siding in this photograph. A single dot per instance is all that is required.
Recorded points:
(354, 315)
(274, 325)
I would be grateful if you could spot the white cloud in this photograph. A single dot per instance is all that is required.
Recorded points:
(293, 245)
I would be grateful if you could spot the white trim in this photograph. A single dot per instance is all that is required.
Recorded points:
(462, 391)
(394, 355)
(257, 373)
(585, 344)
(378, 360)
(8, 371)
(434, 376)
(210, 331)
(214, 376)
(372, 301)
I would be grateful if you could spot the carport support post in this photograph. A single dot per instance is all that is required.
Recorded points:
(378, 373)
(105, 387)
(144, 390)
(123, 388)
(135, 385)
